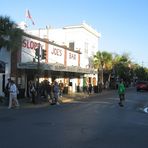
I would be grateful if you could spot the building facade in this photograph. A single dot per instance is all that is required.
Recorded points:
(81, 38)
(68, 58)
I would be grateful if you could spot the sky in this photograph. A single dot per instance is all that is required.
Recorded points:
(123, 24)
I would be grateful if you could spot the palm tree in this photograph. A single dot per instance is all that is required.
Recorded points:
(10, 35)
(122, 67)
(103, 62)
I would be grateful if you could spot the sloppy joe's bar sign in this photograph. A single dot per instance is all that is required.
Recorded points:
(28, 48)
(29, 44)
(72, 58)
(56, 54)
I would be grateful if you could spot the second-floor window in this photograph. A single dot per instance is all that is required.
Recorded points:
(72, 45)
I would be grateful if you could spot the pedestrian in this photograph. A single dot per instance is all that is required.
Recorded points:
(107, 85)
(48, 91)
(61, 88)
(121, 92)
(33, 92)
(6, 91)
(13, 95)
(29, 90)
(89, 88)
(56, 92)
(85, 87)
(52, 93)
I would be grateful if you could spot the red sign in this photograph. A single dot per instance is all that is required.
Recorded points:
(30, 44)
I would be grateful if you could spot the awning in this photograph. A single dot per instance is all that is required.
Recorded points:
(56, 67)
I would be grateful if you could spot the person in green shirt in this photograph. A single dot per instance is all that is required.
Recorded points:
(121, 92)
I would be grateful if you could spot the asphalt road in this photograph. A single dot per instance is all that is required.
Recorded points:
(95, 122)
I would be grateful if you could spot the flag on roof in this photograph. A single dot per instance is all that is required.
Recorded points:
(28, 15)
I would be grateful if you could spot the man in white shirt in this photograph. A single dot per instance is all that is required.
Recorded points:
(13, 94)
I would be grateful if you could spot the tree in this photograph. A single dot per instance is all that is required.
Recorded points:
(10, 35)
(141, 73)
(117, 66)
(103, 62)
(122, 67)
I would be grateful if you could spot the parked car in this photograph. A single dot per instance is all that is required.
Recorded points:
(142, 85)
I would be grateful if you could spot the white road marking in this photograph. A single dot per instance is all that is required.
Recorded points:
(146, 109)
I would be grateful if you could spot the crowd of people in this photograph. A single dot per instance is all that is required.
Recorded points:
(49, 92)
(46, 90)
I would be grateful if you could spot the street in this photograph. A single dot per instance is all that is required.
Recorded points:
(94, 122)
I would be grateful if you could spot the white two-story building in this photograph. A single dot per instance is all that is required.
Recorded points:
(82, 38)
(69, 54)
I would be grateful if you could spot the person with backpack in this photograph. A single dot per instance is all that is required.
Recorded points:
(121, 92)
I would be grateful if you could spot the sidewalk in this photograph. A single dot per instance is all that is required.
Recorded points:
(66, 98)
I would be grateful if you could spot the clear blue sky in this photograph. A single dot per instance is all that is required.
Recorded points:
(122, 23)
